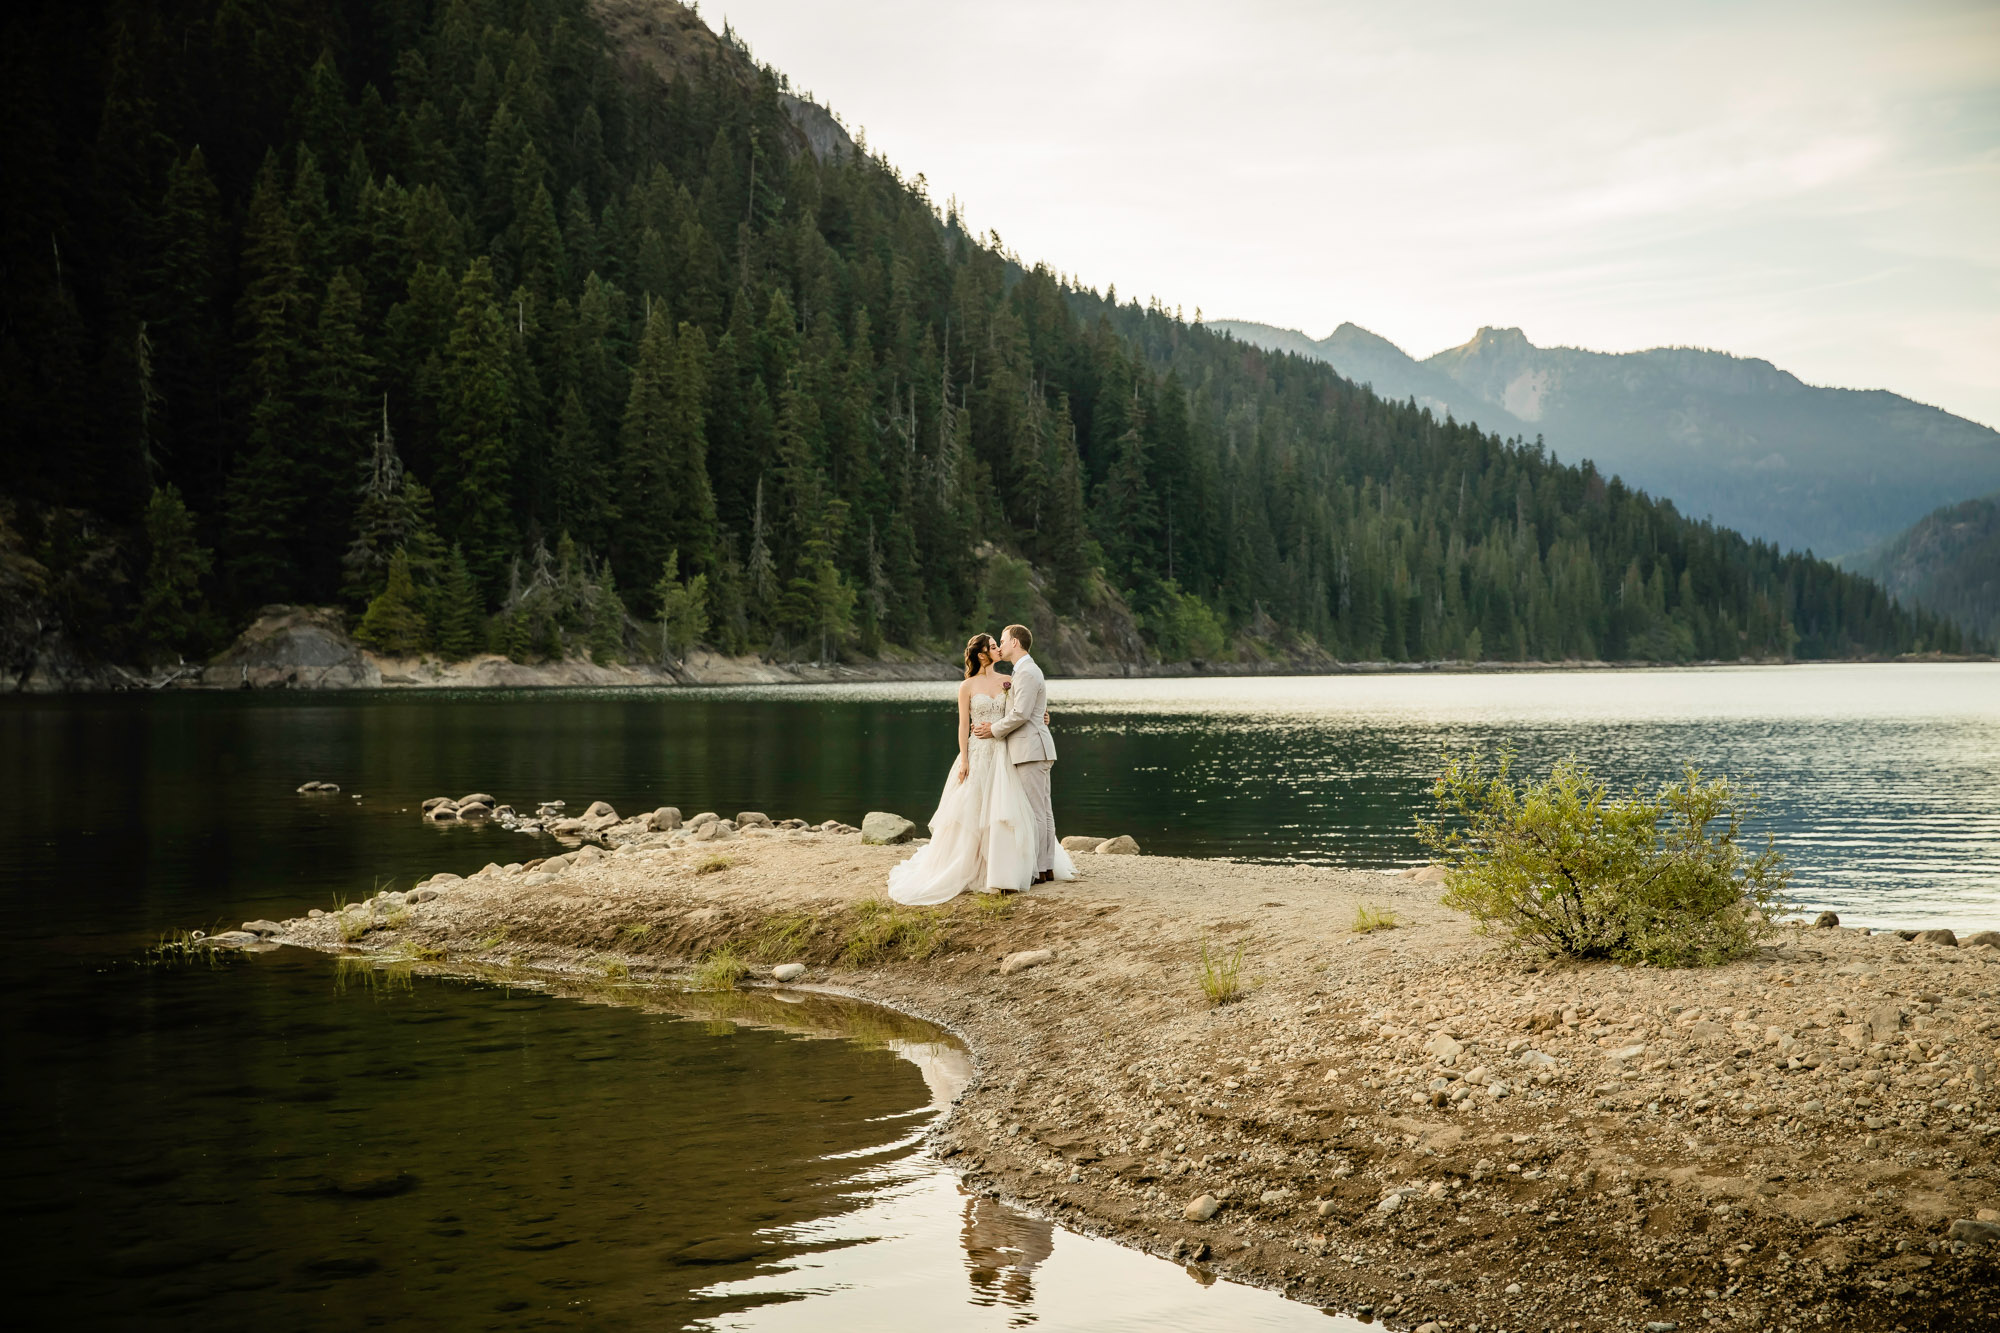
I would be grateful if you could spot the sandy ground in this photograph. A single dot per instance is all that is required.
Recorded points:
(1407, 1123)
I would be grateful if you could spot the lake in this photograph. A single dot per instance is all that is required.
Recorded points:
(300, 1139)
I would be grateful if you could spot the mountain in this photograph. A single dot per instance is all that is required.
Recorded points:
(1733, 438)
(1948, 562)
(565, 328)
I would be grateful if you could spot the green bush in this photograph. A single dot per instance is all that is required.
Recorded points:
(1565, 868)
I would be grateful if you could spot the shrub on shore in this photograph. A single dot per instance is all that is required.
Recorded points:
(1566, 868)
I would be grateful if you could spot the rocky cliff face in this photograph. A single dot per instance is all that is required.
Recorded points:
(1733, 438)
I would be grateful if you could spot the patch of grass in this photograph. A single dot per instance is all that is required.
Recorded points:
(1368, 919)
(615, 970)
(493, 941)
(409, 951)
(712, 864)
(184, 948)
(636, 932)
(397, 918)
(721, 970)
(783, 936)
(353, 920)
(883, 929)
(994, 906)
(1221, 975)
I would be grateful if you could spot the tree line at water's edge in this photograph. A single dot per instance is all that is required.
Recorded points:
(443, 313)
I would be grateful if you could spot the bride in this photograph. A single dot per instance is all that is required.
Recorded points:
(983, 833)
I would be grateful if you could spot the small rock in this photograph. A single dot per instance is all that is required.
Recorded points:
(599, 809)
(881, 829)
(1430, 1326)
(477, 798)
(1989, 939)
(1624, 1053)
(236, 939)
(1941, 937)
(476, 810)
(569, 826)
(1443, 1046)
(1328, 1207)
(1274, 1196)
(1201, 1208)
(1662, 1326)
(705, 817)
(584, 855)
(263, 927)
(1390, 1204)
(788, 971)
(1884, 1022)
(753, 819)
(1015, 962)
(314, 913)
(1122, 845)
(1826, 920)
(1982, 1233)
(423, 895)
(436, 801)
(442, 877)
(1513, 1289)
(1081, 842)
(1431, 874)
(308, 787)
(441, 813)
(666, 819)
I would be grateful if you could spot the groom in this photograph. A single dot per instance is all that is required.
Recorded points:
(1030, 747)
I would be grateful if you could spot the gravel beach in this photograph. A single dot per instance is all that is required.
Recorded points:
(1408, 1124)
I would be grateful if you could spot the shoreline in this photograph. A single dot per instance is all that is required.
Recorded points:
(713, 671)
(1804, 1138)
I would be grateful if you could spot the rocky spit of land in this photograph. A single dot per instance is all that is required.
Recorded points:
(1408, 1124)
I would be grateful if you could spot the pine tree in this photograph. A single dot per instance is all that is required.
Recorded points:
(394, 623)
(173, 618)
(607, 621)
(683, 611)
(460, 619)
(476, 430)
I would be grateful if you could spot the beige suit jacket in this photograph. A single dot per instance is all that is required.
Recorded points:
(1028, 739)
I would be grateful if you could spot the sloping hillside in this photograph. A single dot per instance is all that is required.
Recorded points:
(1827, 470)
(1947, 562)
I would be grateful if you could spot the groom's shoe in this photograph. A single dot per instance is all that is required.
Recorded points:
(1045, 877)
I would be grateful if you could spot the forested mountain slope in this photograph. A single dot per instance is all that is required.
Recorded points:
(506, 333)
(1735, 438)
(1947, 562)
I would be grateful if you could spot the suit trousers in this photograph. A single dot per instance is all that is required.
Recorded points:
(1035, 778)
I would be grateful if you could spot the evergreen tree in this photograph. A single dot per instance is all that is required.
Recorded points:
(476, 430)
(394, 623)
(459, 622)
(173, 618)
(683, 611)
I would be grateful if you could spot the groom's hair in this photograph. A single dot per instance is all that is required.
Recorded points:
(1022, 635)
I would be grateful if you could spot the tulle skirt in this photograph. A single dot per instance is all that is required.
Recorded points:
(982, 835)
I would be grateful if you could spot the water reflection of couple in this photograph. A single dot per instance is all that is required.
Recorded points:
(1002, 1249)
(994, 830)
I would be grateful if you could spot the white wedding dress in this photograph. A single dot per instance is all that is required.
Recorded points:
(983, 833)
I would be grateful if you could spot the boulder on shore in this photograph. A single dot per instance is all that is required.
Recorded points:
(788, 971)
(1122, 845)
(666, 819)
(753, 819)
(1081, 842)
(1826, 920)
(477, 798)
(883, 829)
(1988, 938)
(1940, 937)
(601, 810)
(1027, 958)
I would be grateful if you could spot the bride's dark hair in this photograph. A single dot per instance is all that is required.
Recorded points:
(974, 646)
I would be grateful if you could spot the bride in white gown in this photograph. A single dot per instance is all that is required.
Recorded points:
(983, 833)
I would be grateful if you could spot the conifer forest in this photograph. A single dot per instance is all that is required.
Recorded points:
(458, 316)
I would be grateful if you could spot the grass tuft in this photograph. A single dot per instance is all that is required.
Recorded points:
(713, 864)
(397, 918)
(721, 970)
(636, 932)
(185, 948)
(493, 941)
(994, 905)
(883, 929)
(1221, 975)
(353, 920)
(1368, 919)
(614, 970)
(783, 936)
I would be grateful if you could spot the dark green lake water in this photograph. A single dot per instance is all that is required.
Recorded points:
(285, 1141)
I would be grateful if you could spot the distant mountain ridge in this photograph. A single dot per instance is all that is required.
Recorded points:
(1835, 471)
(1947, 562)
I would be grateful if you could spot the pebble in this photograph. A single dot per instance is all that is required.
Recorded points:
(788, 971)
(1201, 1208)
(1662, 1326)
(1979, 1232)
(1390, 1204)
(1513, 1289)
(1328, 1207)
(423, 895)
(314, 913)
(1015, 962)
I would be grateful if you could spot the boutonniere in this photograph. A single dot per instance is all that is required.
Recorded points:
(1006, 685)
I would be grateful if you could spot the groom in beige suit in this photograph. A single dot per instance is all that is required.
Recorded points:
(1030, 747)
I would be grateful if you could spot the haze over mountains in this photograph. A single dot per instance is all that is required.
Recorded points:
(1834, 471)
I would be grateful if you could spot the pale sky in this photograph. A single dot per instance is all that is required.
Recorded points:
(1817, 184)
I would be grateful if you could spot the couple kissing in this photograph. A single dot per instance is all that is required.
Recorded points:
(994, 830)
